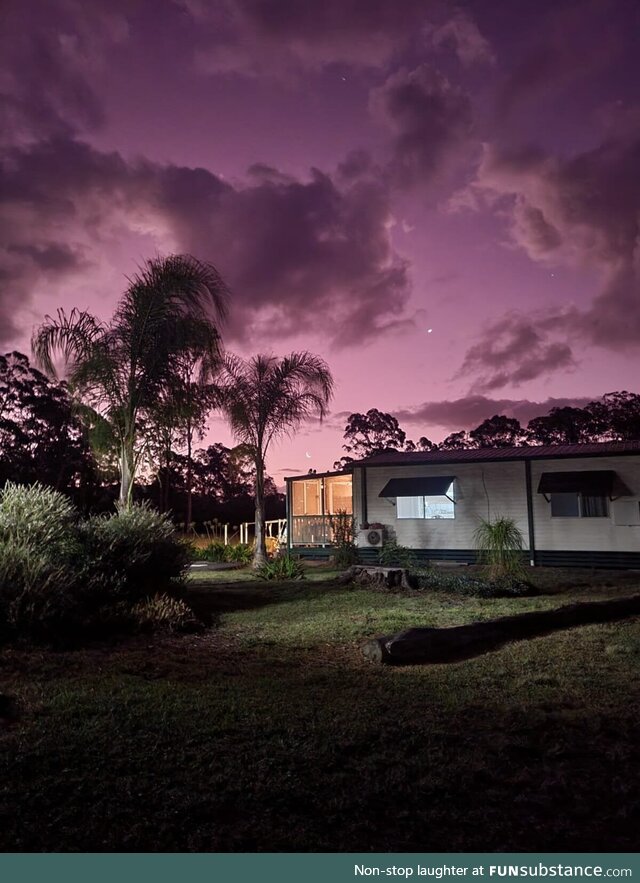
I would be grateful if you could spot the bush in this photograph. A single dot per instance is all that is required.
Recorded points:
(64, 580)
(38, 542)
(133, 555)
(217, 551)
(343, 530)
(393, 554)
(282, 568)
(165, 612)
(242, 553)
(214, 551)
(36, 517)
(345, 556)
(36, 594)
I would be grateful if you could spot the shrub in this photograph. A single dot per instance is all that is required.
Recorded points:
(38, 542)
(214, 551)
(499, 544)
(37, 517)
(163, 611)
(282, 568)
(345, 556)
(343, 530)
(133, 554)
(36, 594)
(393, 554)
(64, 580)
(242, 553)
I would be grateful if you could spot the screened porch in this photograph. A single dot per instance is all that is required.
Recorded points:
(314, 503)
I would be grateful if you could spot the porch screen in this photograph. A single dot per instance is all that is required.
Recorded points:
(306, 497)
(337, 495)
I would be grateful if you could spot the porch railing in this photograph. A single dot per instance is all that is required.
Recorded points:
(311, 530)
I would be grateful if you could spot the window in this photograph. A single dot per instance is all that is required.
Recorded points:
(434, 506)
(338, 495)
(306, 497)
(574, 505)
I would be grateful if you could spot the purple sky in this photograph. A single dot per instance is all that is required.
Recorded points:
(359, 171)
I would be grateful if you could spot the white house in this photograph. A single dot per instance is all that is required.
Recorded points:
(576, 505)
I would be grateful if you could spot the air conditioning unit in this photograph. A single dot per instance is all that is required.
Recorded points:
(372, 537)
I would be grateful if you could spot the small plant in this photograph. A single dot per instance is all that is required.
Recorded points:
(163, 611)
(241, 553)
(214, 551)
(343, 530)
(393, 554)
(284, 567)
(499, 544)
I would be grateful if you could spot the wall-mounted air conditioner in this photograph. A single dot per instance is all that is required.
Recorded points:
(372, 537)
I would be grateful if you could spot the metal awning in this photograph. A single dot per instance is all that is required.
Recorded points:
(432, 486)
(599, 483)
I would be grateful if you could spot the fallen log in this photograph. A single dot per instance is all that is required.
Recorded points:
(432, 645)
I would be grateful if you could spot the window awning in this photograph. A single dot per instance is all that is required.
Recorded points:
(433, 486)
(599, 483)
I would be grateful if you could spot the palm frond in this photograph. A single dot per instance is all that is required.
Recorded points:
(72, 336)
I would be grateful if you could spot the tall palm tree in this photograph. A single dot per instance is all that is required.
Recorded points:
(265, 398)
(121, 367)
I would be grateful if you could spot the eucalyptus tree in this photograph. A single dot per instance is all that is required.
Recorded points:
(122, 367)
(266, 398)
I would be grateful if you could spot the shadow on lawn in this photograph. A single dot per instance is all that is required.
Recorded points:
(211, 600)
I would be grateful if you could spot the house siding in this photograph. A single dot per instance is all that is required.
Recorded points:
(481, 491)
(491, 490)
(586, 534)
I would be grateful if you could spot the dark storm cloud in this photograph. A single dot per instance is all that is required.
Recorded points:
(582, 212)
(461, 34)
(429, 118)
(276, 36)
(572, 42)
(50, 54)
(470, 411)
(299, 255)
(514, 350)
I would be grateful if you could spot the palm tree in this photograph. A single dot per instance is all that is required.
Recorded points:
(122, 367)
(265, 398)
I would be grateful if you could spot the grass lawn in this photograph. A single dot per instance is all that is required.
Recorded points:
(270, 732)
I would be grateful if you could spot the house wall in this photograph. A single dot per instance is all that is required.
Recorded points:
(481, 491)
(498, 489)
(586, 534)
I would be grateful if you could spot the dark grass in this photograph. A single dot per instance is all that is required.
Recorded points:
(270, 732)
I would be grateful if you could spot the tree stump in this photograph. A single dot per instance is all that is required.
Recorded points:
(432, 645)
(384, 577)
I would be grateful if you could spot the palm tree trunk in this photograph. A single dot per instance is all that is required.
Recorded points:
(127, 471)
(260, 551)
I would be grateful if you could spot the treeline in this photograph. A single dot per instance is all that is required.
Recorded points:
(614, 417)
(46, 436)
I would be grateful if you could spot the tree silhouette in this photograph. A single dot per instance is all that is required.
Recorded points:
(121, 368)
(265, 398)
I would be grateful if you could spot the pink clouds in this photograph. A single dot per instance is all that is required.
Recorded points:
(291, 250)
(584, 212)
(430, 121)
